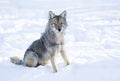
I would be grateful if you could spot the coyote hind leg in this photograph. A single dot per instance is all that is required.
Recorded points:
(31, 59)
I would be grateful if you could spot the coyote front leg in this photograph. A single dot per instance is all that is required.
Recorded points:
(52, 59)
(63, 54)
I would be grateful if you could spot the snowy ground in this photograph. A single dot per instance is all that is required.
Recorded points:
(92, 39)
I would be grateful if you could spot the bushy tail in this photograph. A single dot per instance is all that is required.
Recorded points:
(16, 60)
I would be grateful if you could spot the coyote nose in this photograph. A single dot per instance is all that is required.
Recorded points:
(59, 29)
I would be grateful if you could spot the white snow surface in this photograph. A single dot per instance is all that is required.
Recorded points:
(92, 39)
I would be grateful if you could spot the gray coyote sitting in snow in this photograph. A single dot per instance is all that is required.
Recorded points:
(50, 43)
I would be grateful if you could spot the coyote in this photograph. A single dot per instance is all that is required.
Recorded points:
(50, 43)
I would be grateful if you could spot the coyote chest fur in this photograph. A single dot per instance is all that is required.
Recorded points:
(50, 43)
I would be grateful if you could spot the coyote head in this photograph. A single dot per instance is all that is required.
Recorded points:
(57, 22)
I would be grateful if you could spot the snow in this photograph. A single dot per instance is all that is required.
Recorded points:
(92, 39)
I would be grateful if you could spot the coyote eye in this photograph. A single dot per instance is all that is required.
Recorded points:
(53, 24)
(61, 23)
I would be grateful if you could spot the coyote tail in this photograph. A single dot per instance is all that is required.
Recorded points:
(16, 60)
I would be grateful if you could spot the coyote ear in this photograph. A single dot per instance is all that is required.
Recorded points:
(63, 14)
(51, 14)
